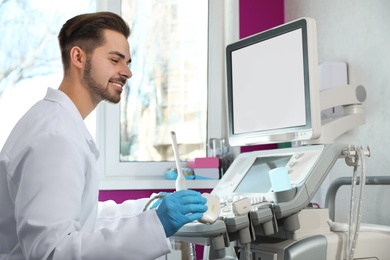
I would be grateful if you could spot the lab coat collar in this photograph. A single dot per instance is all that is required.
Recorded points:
(60, 97)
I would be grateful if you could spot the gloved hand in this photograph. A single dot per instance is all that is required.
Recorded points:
(180, 208)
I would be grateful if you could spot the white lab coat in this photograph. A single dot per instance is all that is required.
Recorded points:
(49, 194)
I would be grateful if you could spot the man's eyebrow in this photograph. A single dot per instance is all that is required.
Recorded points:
(122, 56)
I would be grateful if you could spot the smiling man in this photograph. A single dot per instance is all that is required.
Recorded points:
(89, 79)
(48, 167)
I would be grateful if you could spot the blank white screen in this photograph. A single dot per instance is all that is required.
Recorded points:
(268, 84)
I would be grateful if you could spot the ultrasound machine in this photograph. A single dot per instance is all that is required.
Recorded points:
(273, 97)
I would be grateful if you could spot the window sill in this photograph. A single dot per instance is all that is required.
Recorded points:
(151, 183)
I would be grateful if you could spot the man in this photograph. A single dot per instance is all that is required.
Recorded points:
(48, 166)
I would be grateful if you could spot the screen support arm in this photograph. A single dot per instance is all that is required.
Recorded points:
(351, 99)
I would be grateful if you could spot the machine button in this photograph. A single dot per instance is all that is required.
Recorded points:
(292, 164)
(298, 155)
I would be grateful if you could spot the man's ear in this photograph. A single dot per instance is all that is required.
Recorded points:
(77, 57)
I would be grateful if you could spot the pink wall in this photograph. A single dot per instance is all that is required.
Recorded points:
(260, 15)
(254, 16)
(121, 195)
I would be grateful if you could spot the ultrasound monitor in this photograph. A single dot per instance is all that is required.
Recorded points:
(272, 86)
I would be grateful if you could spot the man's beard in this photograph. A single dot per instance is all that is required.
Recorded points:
(98, 91)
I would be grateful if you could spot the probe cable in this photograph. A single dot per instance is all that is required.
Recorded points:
(179, 185)
(354, 220)
(158, 196)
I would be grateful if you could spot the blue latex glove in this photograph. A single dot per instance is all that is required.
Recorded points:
(180, 208)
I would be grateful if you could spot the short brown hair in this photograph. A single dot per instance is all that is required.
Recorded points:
(86, 31)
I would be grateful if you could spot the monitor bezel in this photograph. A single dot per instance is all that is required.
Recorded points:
(312, 129)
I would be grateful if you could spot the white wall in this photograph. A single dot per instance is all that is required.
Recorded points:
(358, 32)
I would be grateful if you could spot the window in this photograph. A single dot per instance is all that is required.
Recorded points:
(30, 57)
(125, 171)
(168, 90)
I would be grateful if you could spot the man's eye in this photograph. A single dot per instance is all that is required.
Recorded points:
(115, 61)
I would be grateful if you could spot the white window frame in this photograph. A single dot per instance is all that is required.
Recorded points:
(114, 175)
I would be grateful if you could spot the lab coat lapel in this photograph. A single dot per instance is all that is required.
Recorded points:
(93, 148)
(61, 98)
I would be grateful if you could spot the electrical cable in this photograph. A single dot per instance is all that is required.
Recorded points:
(158, 196)
(248, 251)
(355, 219)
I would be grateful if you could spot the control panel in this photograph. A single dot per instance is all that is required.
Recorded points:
(248, 176)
